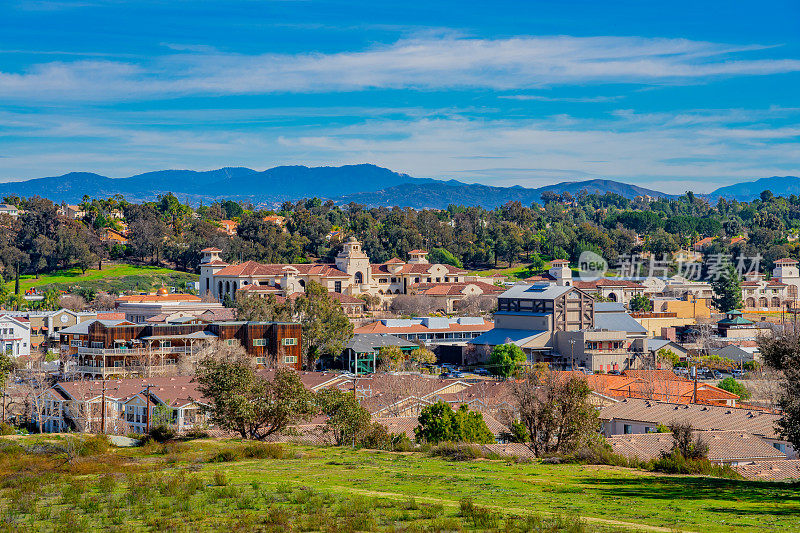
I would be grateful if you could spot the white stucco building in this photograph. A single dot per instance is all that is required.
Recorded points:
(15, 335)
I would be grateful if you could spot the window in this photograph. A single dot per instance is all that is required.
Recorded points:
(261, 360)
(627, 429)
(75, 343)
(289, 341)
(290, 359)
(259, 342)
(230, 342)
(166, 344)
(337, 286)
(780, 447)
(649, 429)
(96, 344)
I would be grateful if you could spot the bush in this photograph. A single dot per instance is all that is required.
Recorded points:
(264, 450)
(6, 429)
(161, 433)
(457, 452)
(225, 456)
(676, 463)
(94, 445)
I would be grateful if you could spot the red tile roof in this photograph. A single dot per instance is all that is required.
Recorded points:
(146, 298)
(607, 282)
(454, 289)
(786, 261)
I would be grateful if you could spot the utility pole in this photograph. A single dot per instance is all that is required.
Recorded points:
(147, 410)
(103, 390)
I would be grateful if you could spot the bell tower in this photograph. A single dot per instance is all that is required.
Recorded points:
(353, 261)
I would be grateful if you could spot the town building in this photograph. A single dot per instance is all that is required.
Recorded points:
(15, 335)
(46, 325)
(74, 212)
(120, 348)
(633, 416)
(10, 210)
(450, 297)
(78, 405)
(138, 308)
(430, 331)
(360, 354)
(351, 273)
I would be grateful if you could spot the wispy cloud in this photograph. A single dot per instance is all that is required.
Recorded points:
(649, 149)
(425, 63)
(579, 99)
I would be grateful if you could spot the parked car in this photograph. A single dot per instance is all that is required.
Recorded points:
(482, 372)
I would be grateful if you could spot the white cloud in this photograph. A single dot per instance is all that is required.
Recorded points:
(427, 63)
(661, 151)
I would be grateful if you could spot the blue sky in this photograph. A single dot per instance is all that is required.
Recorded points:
(670, 95)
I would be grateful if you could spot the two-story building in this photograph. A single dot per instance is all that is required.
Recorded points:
(15, 335)
(351, 274)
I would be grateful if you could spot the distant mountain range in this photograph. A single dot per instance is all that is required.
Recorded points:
(749, 190)
(365, 184)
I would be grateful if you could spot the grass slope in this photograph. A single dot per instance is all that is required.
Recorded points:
(212, 485)
(113, 277)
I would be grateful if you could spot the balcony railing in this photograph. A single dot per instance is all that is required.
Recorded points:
(83, 350)
(127, 370)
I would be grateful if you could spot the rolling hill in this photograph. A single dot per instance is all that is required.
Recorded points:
(368, 184)
(749, 190)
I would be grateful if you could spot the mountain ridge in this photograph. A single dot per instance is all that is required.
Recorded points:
(364, 183)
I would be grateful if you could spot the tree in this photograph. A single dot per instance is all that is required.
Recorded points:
(439, 423)
(263, 309)
(444, 257)
(640, 302)
(781, 351)
(686, 443)
(413, 305)
(665, 355)
(347, 420)
(506, 360)
(731, 385)
(249, 404)
(6, 366)
(391, 357)
(556, 411)
(727, 290)
(422, 356)
(326, 328)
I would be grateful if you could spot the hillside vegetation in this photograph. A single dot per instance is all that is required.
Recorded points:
(113, 278)
(66, 483)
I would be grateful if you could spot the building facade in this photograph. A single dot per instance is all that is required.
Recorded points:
(352, 273)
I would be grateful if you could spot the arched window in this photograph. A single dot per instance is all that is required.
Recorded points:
(751, 302)
(776, 302)
(762, 302)
(612, 297)
(303, 283)
(219, 292)
(792, 291)
(359, 277)
(234, 286)
(228, 287)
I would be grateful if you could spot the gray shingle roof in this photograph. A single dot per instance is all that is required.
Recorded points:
(496, 336)
(618, 322)
(369, 342)
(701, 417)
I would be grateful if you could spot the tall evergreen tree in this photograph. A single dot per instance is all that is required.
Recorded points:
(727, 290)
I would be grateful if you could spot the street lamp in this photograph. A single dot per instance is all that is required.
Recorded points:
(572, 352)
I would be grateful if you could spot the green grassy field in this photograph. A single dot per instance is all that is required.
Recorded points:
(113, 277)
(228, 485)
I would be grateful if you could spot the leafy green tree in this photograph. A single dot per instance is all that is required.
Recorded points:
(422, 356)
(782, 352)
(640, 302)
(668, 356)
(266, 309)
(249, 404)
(736, 387)
(326, 328)
(439, 423)
(391, 357)
(6, 366)
(442, 256)
(347, 420)
(506, 360)
(727, 290)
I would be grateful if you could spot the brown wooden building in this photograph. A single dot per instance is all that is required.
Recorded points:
(121, 348)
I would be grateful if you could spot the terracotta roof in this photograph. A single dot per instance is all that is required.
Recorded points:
(778, 470)
(145, 298)
(406, 326)
(723, 446)
(394, 261)
(211, 249)
(786, 261)
(750, 284)
(417, 251)
(416, 268)
(607, 282)
(252, 268)
(540, 277)
(701, 417)
(776, 283)
(453, 289)
(111, 316)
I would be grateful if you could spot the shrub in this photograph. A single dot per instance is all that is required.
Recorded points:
(264, 450)
(225, 456)
(161, 433)
(6, 429)
(457, 452)
(220, 479)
